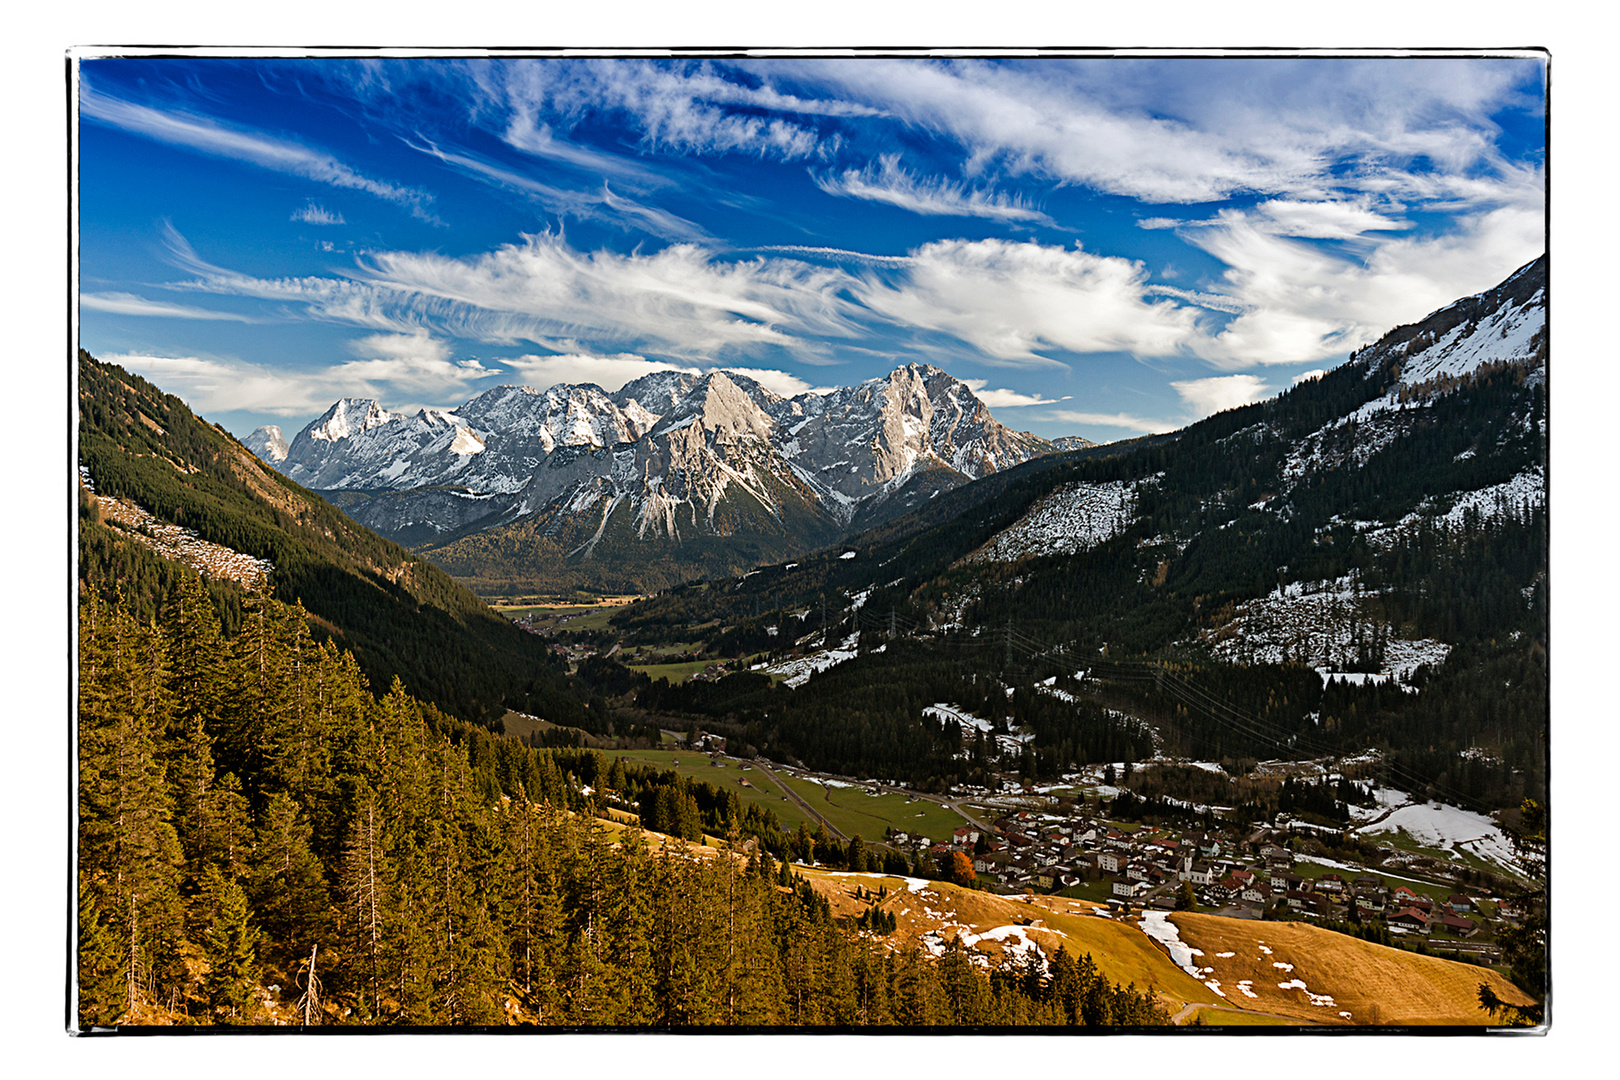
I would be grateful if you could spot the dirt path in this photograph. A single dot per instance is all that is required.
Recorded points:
(794, 797)
(1188, 1010)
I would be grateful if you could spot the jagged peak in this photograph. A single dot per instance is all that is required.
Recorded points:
(346, 417)
(268, 443)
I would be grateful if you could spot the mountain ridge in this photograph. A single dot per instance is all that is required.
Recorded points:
(715, 464)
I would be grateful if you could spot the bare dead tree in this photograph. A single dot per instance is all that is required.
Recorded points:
(310, 1002)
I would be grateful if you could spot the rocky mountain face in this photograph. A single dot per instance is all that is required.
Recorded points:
(671, 459)
(267, 443)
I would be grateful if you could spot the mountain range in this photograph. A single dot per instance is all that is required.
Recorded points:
(1361, 561)
(673, 476)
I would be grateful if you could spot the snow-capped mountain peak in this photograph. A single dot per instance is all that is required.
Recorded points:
(668, 440)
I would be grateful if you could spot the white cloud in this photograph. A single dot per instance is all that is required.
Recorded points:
(392, 368)
(838, 254)
(888, 182)
(542, 290)
(1012, 299)
(1119, 420)
(417, 364)
(1307, 376)
(314, 214)
(1330, 219)
(208, 136)
(1196, 131)
(678, 296)
(120, 303)
(1006, 399)
(1219, 393)
(608, 372)
(782, 383)
(1301, 302)
(210, 386)
(687, 108)
(604, 204)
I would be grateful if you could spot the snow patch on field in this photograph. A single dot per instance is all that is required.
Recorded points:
(1071, 519)
(1157, 925)
(1450, 829)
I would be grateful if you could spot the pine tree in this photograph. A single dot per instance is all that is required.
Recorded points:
(230, 945)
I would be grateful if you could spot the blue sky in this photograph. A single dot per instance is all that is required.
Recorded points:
(1101, 246)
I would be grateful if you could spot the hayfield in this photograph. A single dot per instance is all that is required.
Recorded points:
(1313, 974)
(1122, 953)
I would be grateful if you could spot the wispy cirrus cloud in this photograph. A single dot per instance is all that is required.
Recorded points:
(121, 303)
(206, 135)
(313, 213)
(837, 254)
(886, 181)
(680, 299)
(603, 204)
(1190, 131)
(679, 106)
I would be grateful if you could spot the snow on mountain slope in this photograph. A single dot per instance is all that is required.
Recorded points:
(1322, 623)
(1503, 327)
(268, 443)
(1071, 519)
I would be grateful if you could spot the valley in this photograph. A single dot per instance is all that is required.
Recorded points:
(1240, 724)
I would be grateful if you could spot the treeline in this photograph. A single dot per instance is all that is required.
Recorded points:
(251, 818)
(865, 717)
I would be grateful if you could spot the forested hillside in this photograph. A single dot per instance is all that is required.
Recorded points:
(1387, 519)
(262, 841)
(399, 614)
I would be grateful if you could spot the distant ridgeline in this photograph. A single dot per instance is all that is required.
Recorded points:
(399, 614)
(263, 841)
(1387, 520)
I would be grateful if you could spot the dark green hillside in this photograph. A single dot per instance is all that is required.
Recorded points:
(398, 613)
(1228, 509)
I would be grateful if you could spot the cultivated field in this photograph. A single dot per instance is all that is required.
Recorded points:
(761, 788)
(853, 811)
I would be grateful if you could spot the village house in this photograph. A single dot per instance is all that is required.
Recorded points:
(1127, 888)
(1410, 919)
